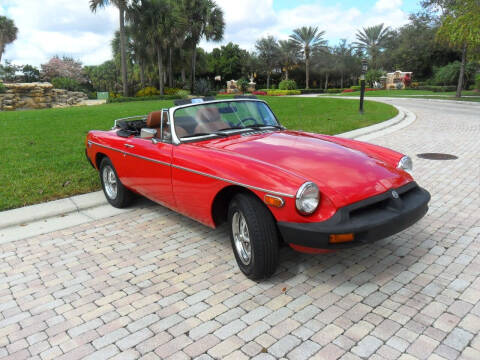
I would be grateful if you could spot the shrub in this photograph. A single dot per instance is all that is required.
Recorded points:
(311, 91)
(373, 75)
(334, 91)
(147, 91)
(437, 88)
(283, 92)
(114, 95)
(355, 88)
(2, 88)
(202, 87)
(173, 91)
(477, 82)
(182, 93)
(348, 91)
(242, 84)
(259, 92)
(287, 85)
(92, 95)
(121, 99)
(66, 84)
(414, 85)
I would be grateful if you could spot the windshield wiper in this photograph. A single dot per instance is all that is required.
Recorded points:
(203, 134)
(233, 128)
(260, 126)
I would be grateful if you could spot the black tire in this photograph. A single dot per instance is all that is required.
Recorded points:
(263, 236)
(122, 197)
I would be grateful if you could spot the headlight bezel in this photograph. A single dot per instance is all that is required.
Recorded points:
(307, 189)
(406, 164)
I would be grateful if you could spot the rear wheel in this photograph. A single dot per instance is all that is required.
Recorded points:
(117, 194)
(254, 236)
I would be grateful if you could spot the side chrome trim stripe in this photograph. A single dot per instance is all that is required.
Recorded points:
(197, 172)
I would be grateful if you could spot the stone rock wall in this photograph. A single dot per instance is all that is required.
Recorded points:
(38, 96)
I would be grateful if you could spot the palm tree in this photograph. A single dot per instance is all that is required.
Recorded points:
(308, 39)
(8, 33)
(156, 18)
(288, 54)
(268, 52)
(372, 40)
(122, 7)
(204, 20)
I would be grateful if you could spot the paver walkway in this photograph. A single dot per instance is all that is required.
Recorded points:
(153, 284)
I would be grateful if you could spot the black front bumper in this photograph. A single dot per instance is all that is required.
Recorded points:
(369, 220)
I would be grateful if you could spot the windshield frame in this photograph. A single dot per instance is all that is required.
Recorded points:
(177, 141)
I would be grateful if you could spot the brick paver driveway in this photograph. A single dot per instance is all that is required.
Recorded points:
(153, 284)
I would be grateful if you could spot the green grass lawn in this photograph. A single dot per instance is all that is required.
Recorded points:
(414, 93)
(42, 152)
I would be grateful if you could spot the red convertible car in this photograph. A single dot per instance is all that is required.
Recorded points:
(231, 161)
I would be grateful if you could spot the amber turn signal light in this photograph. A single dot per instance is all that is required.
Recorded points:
(341, 238)
(274, 201)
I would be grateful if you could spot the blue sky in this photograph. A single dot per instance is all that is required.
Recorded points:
(67, 27)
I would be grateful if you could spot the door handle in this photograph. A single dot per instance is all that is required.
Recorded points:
(128, 146)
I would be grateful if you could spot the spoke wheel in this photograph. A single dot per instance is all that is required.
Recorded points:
(110, 181)
(116, 194)
(254, 236)
(241, 237)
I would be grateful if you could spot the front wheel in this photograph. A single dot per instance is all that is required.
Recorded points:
(117, 194)
(254, 236)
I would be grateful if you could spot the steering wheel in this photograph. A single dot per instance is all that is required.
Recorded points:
(249, 119)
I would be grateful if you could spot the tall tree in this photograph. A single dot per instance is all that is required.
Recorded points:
(460, 28)
(372, 40)
(343, 53)
(122, 7)
(308, 39)
(267, 49)
(8, 33)
(288, 54)
(204, 20)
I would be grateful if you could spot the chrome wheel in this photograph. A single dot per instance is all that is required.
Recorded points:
(241, 237)
(110, 182)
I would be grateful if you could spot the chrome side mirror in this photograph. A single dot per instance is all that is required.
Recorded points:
(147, 133)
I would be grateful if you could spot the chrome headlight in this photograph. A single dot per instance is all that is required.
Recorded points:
(406, 164)
(307, 199)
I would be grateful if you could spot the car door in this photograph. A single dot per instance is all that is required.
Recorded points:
(150, 165)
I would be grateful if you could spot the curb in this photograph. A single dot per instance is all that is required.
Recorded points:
(55, 215)
(403, 119)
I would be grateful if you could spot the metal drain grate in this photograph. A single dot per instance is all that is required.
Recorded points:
(437, 156)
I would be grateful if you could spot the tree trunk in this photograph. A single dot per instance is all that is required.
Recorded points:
(341, 80)
(194, 65)
(268, 80)
(142, 73)
(123, 51)
(326, 81)
(462, 72)
(307, 72)
(2, 49)
(184, 75)
(170, 68)
(160, 69)
(286, 73)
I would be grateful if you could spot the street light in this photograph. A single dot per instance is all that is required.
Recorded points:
(362, 83)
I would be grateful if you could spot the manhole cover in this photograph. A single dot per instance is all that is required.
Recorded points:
(437, 156)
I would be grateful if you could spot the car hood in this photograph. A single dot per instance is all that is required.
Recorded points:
(344, 174)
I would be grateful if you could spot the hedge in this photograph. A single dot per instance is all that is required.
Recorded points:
(283, 92)
(437, 88)
(122, 99)
(311, 91)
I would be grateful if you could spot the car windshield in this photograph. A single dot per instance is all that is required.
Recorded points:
(222, 118)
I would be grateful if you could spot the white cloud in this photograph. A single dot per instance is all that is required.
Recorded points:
(382, 5)
(249, 20)
(66, 27)
(59, 27)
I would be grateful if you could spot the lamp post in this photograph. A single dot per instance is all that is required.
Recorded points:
(362, 83)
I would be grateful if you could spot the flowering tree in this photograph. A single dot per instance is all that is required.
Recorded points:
(64, 68)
